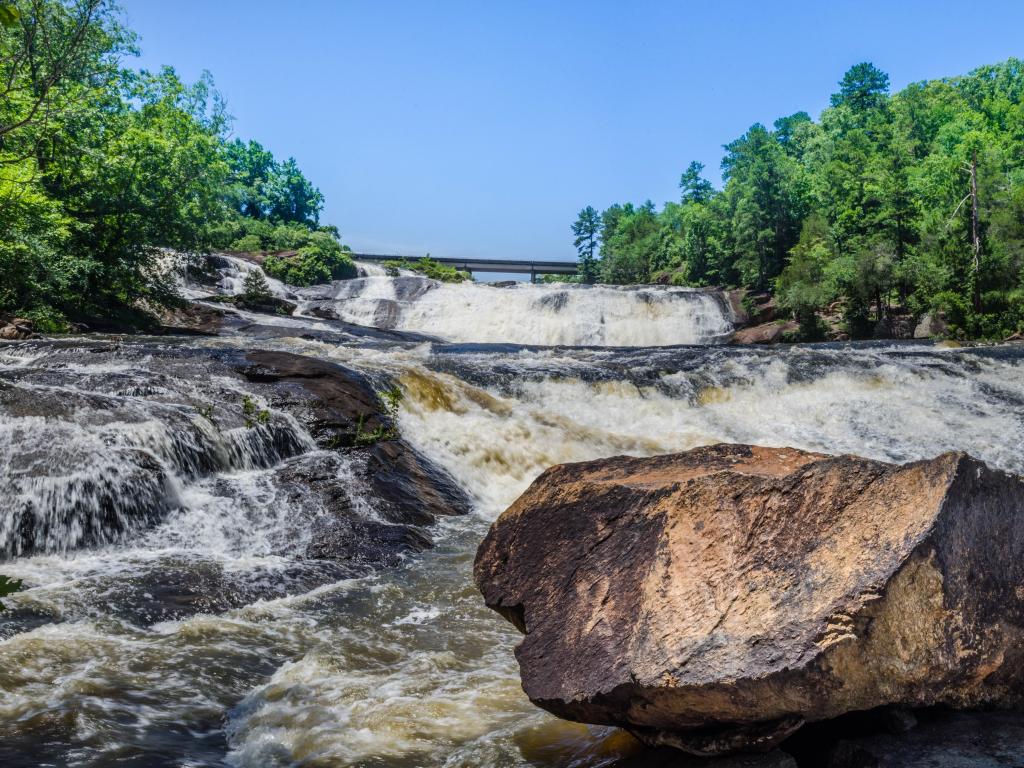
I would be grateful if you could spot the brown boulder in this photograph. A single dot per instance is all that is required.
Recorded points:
(766, 333)
(717, 599)
(16, 329)
(931, 326)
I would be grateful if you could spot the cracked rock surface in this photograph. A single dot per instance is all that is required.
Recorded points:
(717, 600)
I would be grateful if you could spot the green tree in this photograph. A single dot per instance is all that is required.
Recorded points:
(766, 204)
(804, 287)
(255, 286)
(863, 87)
(587, 229)
(695, 188)
(904, 203)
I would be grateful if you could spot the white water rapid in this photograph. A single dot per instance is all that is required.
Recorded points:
(206, 636)
(523, 313)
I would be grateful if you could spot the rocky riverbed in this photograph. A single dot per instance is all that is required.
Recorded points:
(253, 546)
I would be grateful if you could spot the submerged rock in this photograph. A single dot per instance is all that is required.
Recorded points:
(718, 599)
(945, 740)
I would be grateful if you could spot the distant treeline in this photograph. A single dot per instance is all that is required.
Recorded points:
(101, 165)
(904, 203)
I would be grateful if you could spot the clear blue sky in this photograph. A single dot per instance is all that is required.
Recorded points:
(481, 128)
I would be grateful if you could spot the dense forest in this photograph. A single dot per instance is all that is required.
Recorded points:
(887, 204)
(103, 166)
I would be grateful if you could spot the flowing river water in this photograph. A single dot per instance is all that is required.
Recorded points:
(305, 665)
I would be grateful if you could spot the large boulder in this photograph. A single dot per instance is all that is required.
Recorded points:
(16, 328)
(766, 333)
(930, 326)
(716, 600)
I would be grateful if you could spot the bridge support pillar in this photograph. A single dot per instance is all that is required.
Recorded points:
(533, 276)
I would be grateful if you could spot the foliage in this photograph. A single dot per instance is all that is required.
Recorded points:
(252, 414)
(103, 168)
(392, 398)
(553, 279)
(429, 268)
(587, 228)
(264, 189)
(871, 204)
(255, 286)
(320, 259)
(383, 432)
(8, 587)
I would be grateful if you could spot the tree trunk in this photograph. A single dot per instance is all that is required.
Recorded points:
(975, 233)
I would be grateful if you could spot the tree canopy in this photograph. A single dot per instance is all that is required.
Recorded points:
(102, 167)
(910, 202)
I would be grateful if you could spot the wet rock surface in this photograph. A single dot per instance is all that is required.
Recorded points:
(106, 440)
(192, 318)
(716, 600)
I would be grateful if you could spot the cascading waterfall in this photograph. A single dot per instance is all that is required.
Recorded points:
(205, 634)
(521, 313)
(569, 315)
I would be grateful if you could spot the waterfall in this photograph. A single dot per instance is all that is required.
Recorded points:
(521, 313)
(524, 313)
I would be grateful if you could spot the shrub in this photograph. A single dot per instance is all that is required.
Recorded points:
(247, 243)
(255, 286)
(320, 260)
(427, 267)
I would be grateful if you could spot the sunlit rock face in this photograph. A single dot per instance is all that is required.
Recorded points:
(715, 600)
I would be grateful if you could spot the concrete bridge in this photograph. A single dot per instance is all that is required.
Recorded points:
(516, 266)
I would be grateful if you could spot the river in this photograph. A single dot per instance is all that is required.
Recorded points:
(293, 662)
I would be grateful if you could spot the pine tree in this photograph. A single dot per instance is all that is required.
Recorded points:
(256, 286)
(586, 229)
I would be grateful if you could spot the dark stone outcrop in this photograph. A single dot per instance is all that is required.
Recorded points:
(409, 486)
(337, 405)
(716, 600)
(368, 496)
(340, 409)
(268, 304)
(191, 318)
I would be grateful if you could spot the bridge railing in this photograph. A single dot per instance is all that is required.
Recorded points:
(515, 266)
